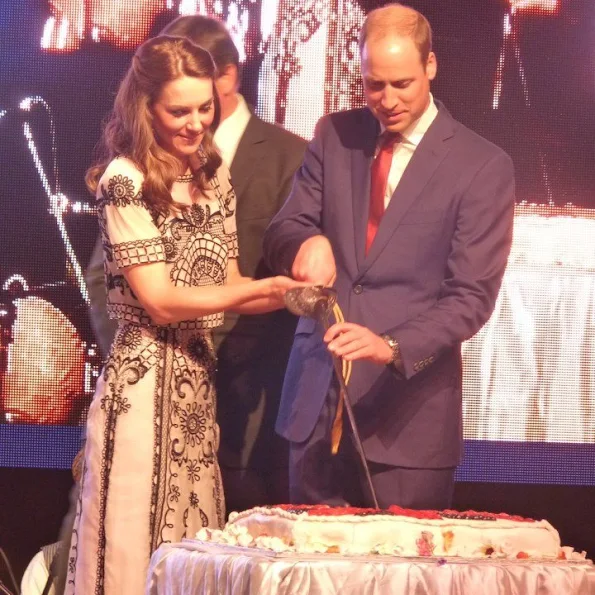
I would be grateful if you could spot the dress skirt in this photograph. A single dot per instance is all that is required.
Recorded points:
(151, 474)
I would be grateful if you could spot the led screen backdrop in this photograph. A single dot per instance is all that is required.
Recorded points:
(520, 72)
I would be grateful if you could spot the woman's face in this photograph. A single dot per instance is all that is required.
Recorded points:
(182, 113)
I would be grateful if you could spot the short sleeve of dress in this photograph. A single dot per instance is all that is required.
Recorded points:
(126, 222)
(229, 209)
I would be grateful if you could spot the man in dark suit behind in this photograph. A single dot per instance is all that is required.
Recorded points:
(409, 214)
(252, 350)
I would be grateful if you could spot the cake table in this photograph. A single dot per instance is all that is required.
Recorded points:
(200, 568)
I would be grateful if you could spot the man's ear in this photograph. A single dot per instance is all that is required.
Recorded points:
(431, 66)
(227, 81)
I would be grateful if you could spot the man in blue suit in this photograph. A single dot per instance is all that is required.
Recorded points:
(409, 215)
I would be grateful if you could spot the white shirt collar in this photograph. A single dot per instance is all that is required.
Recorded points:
(230, 131)
(415, 132)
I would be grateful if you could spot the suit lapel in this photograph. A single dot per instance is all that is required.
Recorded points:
(247, 155)
(427, 157)
(361, 162)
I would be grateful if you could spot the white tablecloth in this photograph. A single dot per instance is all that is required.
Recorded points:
(206, 569)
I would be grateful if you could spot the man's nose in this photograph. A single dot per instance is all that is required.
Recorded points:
(390, 98)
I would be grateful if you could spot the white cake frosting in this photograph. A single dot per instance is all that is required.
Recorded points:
(336, 530)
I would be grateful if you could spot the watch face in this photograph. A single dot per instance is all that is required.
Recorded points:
(389, 340)
(394, 345)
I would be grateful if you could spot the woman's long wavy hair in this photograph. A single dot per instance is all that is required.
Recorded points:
(128, 130)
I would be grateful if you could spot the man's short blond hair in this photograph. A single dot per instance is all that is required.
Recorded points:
(401, 20)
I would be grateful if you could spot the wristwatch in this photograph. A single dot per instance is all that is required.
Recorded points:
(394, 345)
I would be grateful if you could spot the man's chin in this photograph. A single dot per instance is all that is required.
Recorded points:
(395, 126)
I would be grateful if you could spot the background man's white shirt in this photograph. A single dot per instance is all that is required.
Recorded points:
(228, 134)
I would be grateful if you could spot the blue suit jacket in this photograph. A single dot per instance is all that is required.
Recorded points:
(430, 279)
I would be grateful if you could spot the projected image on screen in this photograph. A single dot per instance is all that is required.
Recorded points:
(48, 361)
(518, 72)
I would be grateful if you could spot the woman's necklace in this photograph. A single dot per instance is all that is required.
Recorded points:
(186, 178)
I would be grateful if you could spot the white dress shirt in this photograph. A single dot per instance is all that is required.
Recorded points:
(404, 149)
(36, 576)
(228, 134)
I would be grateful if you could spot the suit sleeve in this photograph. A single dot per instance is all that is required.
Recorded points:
(479, 252)
(300, 216)
(103, 327)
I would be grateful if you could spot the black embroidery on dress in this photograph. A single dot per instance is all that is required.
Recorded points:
(191, 417)
(193, 500)
(139, 252)
(208, 457)
(171, 250)
(177, 228)
(197, 215)
(185, 521)
(225, 202)
(198, 349)
(204, 519)
(107, 246)
(120, 192)
(117, 372)
(164, 403)
(218, 497)
(232, 245)
(200, 217)
(156, 487)
(193, 423)
(175, 493)
(129, 339)
(73, 551)
(230, 199)
(193, 471)
(210, 266)
(203, 262)
(202, 354)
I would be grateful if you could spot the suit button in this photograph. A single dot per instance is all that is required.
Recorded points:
(357, 289)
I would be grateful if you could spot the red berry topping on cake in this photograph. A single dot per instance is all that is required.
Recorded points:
(522, 555)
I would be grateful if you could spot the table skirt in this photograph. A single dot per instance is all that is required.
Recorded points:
(206, 569)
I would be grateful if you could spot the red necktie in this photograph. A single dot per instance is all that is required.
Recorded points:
(378, 180)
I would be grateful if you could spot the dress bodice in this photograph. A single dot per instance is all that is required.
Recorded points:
(195, 242)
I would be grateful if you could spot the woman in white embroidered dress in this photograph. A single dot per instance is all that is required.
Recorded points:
(166, 212)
